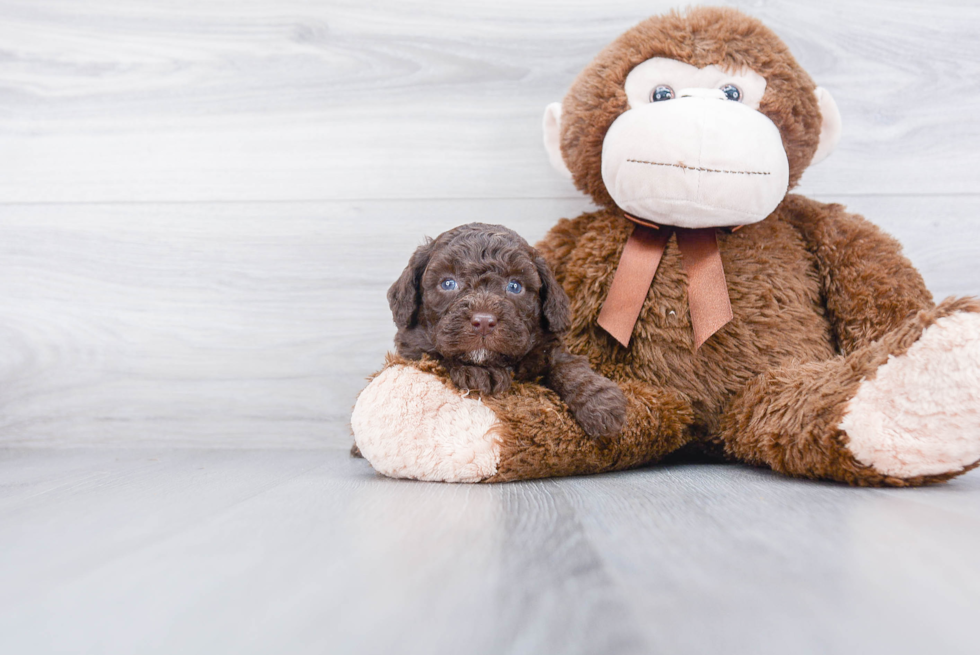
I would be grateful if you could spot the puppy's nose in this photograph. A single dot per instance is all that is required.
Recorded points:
(483, 323)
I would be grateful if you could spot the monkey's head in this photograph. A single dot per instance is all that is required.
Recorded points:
(701, 119)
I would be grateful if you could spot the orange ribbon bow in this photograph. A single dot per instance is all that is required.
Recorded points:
(707, 290)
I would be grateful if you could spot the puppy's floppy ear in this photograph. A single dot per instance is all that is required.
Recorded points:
(405, 295)
(554, 300)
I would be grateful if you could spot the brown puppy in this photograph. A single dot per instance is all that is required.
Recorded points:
(485, 303)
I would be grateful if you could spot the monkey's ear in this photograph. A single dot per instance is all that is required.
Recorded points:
(830, 129)
(405, 295)
(552, 138)
(554, 301)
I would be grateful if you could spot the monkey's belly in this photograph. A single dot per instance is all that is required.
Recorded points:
(779, 319)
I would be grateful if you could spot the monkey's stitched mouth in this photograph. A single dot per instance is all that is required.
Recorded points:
(696, 168)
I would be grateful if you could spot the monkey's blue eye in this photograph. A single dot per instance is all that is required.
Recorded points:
(448, 284)
(661, 93)
(731, 92)
(514, 287)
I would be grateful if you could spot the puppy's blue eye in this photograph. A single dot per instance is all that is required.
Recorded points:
(514, 287)
(448, 284)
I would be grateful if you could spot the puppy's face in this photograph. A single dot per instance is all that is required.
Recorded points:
(478, 293)
(480, 299)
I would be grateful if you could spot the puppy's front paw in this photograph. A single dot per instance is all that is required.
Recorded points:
(603, 412)
(487, 381)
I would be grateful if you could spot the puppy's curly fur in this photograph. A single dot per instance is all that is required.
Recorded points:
(486, 304)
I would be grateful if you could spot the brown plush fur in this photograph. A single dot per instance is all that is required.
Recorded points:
(787, 418)
(479, 262)
(821, 298)
(863, 302)
(771, 387)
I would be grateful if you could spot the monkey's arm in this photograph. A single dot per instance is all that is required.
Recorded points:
(870, 287)
(410, 422)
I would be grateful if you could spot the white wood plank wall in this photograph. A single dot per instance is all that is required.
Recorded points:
(203, 202)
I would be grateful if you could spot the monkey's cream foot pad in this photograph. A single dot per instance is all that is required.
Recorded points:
(410, 424)
(920, 415)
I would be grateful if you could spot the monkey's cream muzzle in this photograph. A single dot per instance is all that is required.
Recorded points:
(698, 160)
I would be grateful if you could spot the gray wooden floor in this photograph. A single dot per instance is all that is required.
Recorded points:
(201, 206)
(293, 551)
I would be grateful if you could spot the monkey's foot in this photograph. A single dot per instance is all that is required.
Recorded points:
(920, 414)
(410, 424)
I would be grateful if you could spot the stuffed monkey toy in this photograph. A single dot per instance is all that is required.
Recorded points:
(737, 318)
